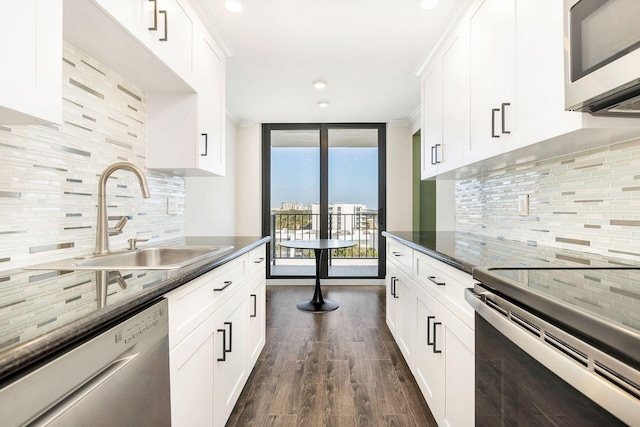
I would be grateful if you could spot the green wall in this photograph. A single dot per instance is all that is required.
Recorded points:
(424, 194)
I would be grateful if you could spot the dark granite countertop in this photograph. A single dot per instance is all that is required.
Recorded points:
(43, 313)
(593, 295)
(467, 251)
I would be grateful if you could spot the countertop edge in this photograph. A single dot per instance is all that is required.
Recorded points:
(460, 265)
(22, 357)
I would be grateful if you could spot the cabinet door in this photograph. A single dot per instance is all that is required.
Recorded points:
(229, 351)
(430, 365)
(392, 299)
(175, 36)
(165, 27)
(455, 100)
(405, 291)
(256, 328)
(211, 105)
(191, 371)
(431, 141)
(492, 78)
(459, 362)
(31, 64)
(540, 89)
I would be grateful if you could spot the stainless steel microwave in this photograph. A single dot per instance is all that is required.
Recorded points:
(602, 56)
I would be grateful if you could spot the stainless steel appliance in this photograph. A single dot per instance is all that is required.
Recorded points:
(117, 378)
(557, 346)
(602, 59)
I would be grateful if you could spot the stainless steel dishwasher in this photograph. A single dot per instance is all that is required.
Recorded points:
(118, 378)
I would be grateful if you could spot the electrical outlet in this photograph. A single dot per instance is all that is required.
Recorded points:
(172, 206)
(523, 205)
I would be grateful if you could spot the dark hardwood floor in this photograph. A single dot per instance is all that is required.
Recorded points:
(341, 368)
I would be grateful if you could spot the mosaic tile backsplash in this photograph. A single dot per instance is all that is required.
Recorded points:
(587, 202)
(49, 174)
(48, 196)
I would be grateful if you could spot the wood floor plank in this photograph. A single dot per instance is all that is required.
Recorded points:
(338, 389)
(337, 369)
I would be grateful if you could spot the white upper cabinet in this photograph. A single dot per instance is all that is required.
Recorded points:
(494, 91)
(31, 61)
(492, 78)
(431, 134)
(186, 132)
(165, 27)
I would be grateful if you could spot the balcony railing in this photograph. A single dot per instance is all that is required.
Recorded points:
(361, 228)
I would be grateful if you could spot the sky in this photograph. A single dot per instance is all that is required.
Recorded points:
(353, 175)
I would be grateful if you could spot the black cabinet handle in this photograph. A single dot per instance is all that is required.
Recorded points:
(504, 104)
(166, 37)
(433, 280)
(226, 285)
(155, 16)
(259, 260)
(224, 345)
(395, 288)
(393, 283)
(434, 154)
(429, 319)
(397, 253)
(231, 336)
(493, 122)
(206, 144)
(255, 305)
(435, 350)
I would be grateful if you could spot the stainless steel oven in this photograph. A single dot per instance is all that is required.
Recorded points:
(602, 59)
(540, 361)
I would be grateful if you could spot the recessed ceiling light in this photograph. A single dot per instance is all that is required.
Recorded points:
(323, 104)
(428, 4)
(233, 6)
(319, 84)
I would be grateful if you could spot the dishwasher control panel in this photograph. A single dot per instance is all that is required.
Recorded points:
(141, 324)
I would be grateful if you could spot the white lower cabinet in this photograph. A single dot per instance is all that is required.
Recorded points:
(210, 363)
(444, 367)
(433, 328)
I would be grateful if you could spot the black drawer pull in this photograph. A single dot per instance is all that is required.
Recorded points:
(255, 305)
(435, 350)
(155, 16)
(397, 253)
(226, 285)
(231, 336)
(206, 144)
(166, 30)
(493, 122)
(433, 280)
(224, 345)
(429, 319)
(259, 260)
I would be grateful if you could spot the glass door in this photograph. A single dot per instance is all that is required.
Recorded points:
(324, 181)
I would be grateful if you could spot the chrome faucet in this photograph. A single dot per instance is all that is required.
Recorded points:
(102, 227)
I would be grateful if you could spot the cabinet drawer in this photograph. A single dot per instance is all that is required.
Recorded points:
(192, 303)
(257, 260)
(446, 284)
(401, 255)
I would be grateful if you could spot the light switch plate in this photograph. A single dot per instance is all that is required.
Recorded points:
(523, 205)
(172, 206)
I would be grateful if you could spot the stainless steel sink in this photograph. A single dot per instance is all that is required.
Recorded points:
(146, 258)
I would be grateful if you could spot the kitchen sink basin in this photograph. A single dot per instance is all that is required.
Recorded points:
(146, 258)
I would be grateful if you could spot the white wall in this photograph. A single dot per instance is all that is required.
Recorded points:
(249, 181)
(399, 177)
(210, 203)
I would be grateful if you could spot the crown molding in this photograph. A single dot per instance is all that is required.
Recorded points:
(210, 24)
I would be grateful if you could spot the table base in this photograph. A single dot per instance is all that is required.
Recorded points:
(318, 307)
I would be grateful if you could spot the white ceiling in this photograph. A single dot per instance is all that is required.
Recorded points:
(367, 50)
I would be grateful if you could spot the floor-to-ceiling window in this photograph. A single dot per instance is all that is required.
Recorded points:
(324, 181)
